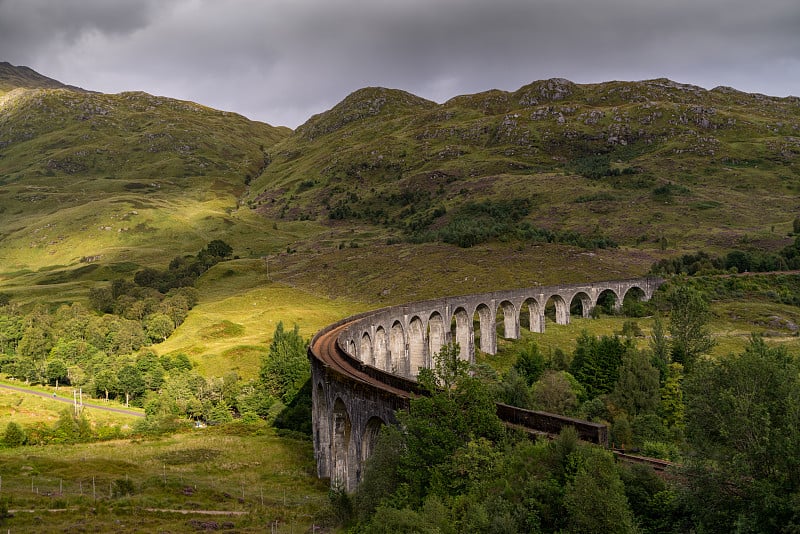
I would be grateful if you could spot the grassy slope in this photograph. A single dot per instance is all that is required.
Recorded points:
(120, 178)
(729, 156)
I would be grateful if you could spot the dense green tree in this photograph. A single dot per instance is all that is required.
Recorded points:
(595, 497)
(448, 369)
(218, 249)
(176, 308)
(596, 362)
(130, 382)
(659, 345)
(37, 337)
(105, 382)
(688, 325)
(554, 393)
(71, 428)
(673, 409)
(285, 368)
(101, 299)
(743, 423)
(514, 390)
(56, 372)
(159, 326)
(458, 409)
(123, 336)
(530, 363)
(220, 413)
(637, 388)
(14, 435)
(11, 329)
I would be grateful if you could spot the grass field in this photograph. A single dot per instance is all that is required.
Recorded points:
(27, 410)
(268, 482)
(232, 326)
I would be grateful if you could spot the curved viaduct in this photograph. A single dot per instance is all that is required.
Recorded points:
(363, 368)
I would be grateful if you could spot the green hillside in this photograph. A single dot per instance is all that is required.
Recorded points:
(90, 179)
(640, 164)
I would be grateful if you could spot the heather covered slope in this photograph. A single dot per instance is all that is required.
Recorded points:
(652, 165)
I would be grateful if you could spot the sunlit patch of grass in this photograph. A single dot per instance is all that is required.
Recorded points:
(223, 329)
(27, 410)
(254, 305)
(257, 474)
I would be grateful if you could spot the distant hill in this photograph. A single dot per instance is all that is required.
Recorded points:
(12, 77)
(648, 164)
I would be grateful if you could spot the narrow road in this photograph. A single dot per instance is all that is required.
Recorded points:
(70, 401)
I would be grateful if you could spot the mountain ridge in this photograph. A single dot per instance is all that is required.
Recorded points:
(22, 77)
(651, 169)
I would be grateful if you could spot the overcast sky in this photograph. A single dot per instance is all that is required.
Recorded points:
(281, 61)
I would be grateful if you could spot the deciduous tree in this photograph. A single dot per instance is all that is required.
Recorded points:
(688, 325)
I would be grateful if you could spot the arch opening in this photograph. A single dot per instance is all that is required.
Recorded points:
(368, 441)
(633, 303)
(580, 305)
(531, 316)
(557, 310)
(508, 318)
(607, 302)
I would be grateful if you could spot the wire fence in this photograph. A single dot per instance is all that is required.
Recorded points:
(168, 489)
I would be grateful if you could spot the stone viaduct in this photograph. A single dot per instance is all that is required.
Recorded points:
(363, 368)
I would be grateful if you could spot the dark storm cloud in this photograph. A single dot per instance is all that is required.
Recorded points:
(281, 61)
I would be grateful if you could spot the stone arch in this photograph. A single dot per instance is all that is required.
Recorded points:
(322, 432)
(397, 349)
(535, 315)
(560, 309)
(437, 336)
(632, 300)
(608, 301)
(369, 439)
(341, 447)
(381, 350)
(510, 319)
(580, 304)
(487, 329)
(462, 332)
(416, 346)
(351, 349)
(366, 350)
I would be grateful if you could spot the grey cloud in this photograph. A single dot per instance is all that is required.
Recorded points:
(283, 60)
